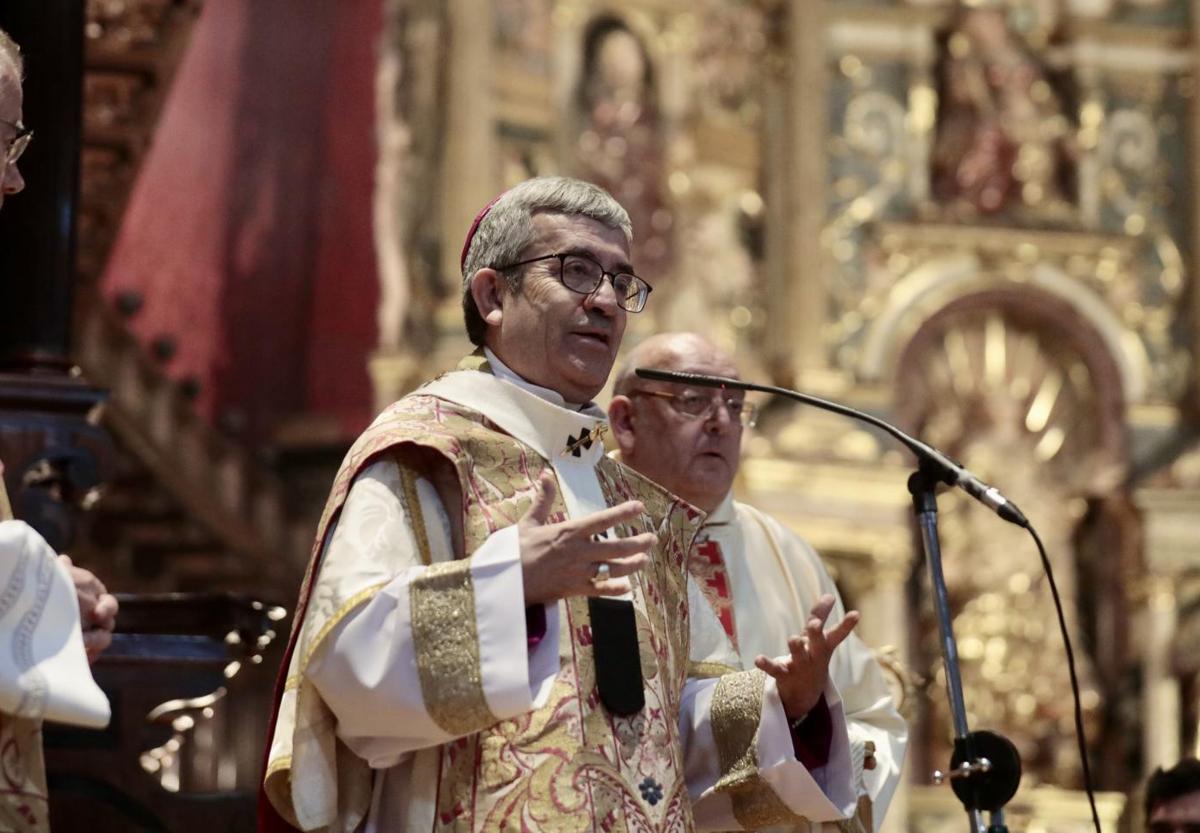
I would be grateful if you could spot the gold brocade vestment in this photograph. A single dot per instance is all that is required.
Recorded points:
(567, 765)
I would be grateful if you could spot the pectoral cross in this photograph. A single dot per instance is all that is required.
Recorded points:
(585, 440)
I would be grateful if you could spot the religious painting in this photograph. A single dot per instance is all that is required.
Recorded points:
(620, 144)
(1004, 143)
(524, 30)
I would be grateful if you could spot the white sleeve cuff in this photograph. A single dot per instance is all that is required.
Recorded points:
(514, 677)
(825, 794)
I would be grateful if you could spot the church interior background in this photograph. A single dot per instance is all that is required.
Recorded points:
(975, 219)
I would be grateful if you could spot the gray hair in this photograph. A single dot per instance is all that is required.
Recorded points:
(507, 229)
(10, 50)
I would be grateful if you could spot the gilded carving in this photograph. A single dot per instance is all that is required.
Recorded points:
(1021, 403)
(1022, 133)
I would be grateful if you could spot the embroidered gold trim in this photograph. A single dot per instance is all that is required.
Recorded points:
(293, 682)
(475, 361)
(446, 644)
(736, 712)
(708, 670)
(349, 606)
(412, 502)
(756, 805)
(278, 765)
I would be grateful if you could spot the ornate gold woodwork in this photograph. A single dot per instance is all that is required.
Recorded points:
(1083, 141)
(1010, 385)
(912, 271)
(793, 151)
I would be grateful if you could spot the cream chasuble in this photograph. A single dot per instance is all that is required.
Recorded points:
(771, 579)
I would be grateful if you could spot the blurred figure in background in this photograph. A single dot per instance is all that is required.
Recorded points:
(1173, 798)
(43, 671)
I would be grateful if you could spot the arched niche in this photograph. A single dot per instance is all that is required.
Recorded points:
(1023, 389)
(941, 282)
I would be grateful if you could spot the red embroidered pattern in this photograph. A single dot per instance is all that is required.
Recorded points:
(707, 566)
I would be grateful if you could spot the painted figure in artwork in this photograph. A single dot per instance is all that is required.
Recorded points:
(1003, 142)
(620, 143)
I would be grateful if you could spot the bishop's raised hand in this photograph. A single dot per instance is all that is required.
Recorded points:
(562, 559)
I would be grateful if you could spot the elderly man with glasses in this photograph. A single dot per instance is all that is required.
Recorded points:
(770, 595)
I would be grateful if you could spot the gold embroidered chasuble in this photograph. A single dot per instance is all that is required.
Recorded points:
(565, 765)
(25, 804)
(25, 807)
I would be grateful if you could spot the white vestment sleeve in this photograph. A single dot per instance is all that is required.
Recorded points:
(872, 718)
(736, 784)
(868, 702)
(367, 669)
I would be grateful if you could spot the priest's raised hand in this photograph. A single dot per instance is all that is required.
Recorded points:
(802, 674)
(565, 559)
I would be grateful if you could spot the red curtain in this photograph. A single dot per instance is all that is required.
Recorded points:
(248, 233)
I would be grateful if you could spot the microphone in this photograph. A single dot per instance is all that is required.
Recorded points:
(945, 469)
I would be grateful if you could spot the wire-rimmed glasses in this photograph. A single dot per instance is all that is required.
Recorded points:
(582, 273)
(15, 146)
(702, 405)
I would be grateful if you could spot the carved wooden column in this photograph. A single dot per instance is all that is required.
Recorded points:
(808, 171)
(776, 188)
(469, 170)
(1192, 408)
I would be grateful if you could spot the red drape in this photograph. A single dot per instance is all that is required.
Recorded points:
(248, 233)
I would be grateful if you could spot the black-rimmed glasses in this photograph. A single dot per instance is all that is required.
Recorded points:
(702, 405)
(582, 273)
(17, 144)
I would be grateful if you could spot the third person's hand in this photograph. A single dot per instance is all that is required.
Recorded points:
(801, 675)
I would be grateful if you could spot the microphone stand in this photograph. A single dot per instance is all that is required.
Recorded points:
(922, 486)
(985, 768)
